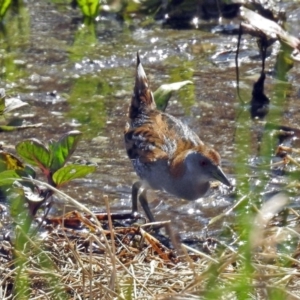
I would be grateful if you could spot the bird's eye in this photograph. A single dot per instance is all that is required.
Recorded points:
(203, 163)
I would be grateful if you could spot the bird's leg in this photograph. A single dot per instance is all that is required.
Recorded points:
(144, 203)
(134, 196)
(143, 200)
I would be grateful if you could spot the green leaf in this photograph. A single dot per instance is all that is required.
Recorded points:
(36, 153)
(6, 128)
(4, 4)
(164, 93)
(89, 8)
(8, 177)
(63, 149)
(71, 172)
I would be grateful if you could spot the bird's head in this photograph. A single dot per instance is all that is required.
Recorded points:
(204, 164)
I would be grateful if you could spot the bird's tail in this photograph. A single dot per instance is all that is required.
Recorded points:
(142, 99)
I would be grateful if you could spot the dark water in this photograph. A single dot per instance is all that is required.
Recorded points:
(81, 78)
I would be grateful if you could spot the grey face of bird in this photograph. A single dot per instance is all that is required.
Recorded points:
(204, 169)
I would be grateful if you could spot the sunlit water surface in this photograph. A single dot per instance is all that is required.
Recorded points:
(79, 79)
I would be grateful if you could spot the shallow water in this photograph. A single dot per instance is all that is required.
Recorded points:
(75, 78)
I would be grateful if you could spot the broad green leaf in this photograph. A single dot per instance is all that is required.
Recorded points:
(63, 149)
(164, 93)
(10, 162)
(35, 152)
(71, 172)
(8, 177)
(89, 8)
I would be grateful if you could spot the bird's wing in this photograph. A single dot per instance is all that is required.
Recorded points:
(181, 131)
(145, 144)
(159, 136)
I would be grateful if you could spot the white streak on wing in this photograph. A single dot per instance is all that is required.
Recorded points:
(141, 142)
(138, 137)
(169, 145)
(184, 131)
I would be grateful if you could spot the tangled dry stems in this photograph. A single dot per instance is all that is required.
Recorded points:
(130, 263)
(125, 265)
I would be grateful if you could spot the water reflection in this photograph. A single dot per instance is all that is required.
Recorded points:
(91, 70)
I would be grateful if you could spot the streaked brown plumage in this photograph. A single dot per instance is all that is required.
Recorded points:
(166, 154)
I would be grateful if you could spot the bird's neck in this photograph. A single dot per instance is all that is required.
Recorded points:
(189, 187)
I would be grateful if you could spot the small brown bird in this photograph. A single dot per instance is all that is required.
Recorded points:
(166, 154)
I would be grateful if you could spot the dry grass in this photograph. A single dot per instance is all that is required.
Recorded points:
(129, 263)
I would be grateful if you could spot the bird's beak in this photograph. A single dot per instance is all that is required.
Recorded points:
(219, 175)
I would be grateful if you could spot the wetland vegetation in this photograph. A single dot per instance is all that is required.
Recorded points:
(67, 69)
